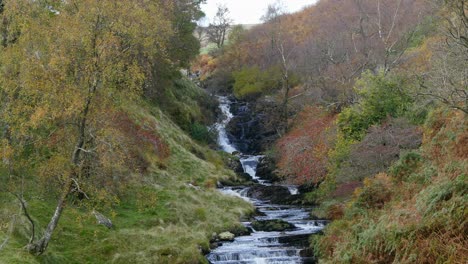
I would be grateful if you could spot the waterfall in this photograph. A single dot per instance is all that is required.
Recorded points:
(223, 140)
(262, 247)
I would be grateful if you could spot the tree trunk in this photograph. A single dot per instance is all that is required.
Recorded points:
(40, 246)
(285, 100)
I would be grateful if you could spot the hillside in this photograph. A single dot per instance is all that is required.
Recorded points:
(362, 104)
(165, 215)
(104, 153)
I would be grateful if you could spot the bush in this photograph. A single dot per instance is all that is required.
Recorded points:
(303, 152)
(379, 149)
(190, 107)
(251, 82)
(375, 193)
(407, 163)
(201, 133)
(379, 97)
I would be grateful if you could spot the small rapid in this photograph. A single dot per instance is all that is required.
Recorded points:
(263, 247)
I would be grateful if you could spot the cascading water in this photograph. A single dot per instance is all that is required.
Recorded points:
(263, 247)
(223, 139)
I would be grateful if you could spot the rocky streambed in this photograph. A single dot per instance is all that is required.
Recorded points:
(280, 231)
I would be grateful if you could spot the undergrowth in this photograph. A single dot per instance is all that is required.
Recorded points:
(415, 213)
(165, 215)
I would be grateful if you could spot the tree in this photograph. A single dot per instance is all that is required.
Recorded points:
(62, 80)
(352, 37)
(282, 48)
(218, 29)
(379, 96)
(447, 79)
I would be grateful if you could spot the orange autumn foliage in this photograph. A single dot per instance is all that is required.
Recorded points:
(302, 152)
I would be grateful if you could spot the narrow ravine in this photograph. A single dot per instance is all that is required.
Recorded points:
(263, 247)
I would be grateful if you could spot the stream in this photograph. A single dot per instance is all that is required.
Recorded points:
(263, 247)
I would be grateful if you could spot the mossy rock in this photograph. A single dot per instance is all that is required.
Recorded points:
(272, 225)
(226, 236)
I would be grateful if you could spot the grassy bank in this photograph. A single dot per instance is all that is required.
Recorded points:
(165, 215)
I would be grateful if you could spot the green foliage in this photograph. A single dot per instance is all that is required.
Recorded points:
(436, 197)
(426, 28)
(191, 108)
(380, 96)
(251, 82)
(201, 133)
(407, 163)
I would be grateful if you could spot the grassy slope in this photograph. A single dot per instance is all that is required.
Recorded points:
(423, 218)
(159, 219)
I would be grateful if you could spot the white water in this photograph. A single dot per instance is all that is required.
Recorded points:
(223, 139)
(262, 247)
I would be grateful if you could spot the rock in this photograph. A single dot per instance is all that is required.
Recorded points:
(215, 245)
(265, 170)
(235, 165)
(226, 236)
(274, 194)
(308, 256)
(102, 220)
(300, 241)
(272, 225)
(255, 125)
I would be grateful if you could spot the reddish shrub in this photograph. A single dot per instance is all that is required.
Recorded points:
(461, 146)
(140, 138)
(303, 152)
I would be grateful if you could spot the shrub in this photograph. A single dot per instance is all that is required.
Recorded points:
(379, 97)
(251, 82)
(201, 133)
(375, 193)
(303, 152)
(407, 163)
(379, 149)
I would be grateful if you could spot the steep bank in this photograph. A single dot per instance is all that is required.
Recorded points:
(167, 214)
(413, 213)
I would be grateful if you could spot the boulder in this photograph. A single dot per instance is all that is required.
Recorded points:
(274, 194)
(226, 236)
(234, 164)
(265, 169)
(272, 225)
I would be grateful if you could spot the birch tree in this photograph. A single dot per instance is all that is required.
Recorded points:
(68, 71)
